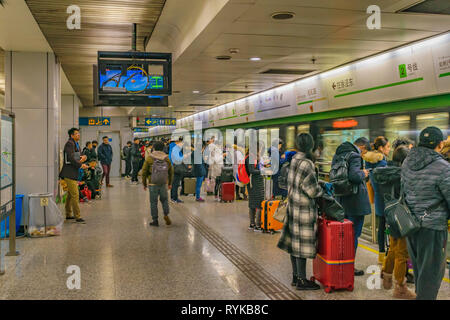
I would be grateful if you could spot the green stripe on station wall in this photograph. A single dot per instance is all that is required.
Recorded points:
(437, 101)
(378, 87)
(444, 75)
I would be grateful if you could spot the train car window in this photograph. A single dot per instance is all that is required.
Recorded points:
(439, 120)
(290, 137)
(303, 128)
(396, 127)
(331, 139)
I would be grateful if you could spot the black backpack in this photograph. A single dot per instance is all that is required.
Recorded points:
(283, 177)
(339, 177)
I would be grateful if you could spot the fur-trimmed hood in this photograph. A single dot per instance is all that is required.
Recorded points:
(373, 156)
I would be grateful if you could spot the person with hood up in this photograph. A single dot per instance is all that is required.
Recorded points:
(426, 186)
(356, 205)
(159, 172)
(395, 265)
(213, 156)
(376, 159)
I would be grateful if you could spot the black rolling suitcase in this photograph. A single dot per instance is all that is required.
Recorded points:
(226, 174)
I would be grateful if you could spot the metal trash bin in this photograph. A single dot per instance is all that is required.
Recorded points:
(44, 217)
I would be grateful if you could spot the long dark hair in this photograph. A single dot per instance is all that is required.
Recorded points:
(305, 144)
(400, 154)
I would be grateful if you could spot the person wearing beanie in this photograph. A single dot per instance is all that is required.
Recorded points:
(425, 178)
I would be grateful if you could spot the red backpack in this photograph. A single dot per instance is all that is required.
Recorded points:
(242, 175)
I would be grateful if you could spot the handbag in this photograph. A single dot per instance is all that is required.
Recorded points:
(281, 212)
(329, 206)
(401, 219)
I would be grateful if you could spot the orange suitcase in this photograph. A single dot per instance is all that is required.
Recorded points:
(268, 223)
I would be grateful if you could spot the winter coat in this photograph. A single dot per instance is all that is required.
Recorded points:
(213, 156)
(426, 182)
(105, 154)
(388, 178)
(299, 234)
(148, 164)
(177, 155)
(127, 153)
(355, 204)
(256, 185)
(135, 153)
(90, 154)
(71, 162)
(375, 159)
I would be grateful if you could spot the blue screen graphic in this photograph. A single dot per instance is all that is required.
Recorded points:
(134, 81)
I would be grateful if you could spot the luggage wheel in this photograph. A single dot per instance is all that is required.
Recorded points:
(328, 289)
(350, 288)
(312, 279)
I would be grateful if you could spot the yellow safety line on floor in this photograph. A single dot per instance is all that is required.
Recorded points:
(375, 251)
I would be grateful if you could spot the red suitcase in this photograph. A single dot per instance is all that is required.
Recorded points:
(227, 190)
(335, 262)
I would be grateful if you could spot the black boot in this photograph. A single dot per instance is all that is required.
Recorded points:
(154, 223)
(304, 284)
(294, 280)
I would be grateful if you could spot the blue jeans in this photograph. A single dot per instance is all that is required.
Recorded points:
(198, 186)
(358, 223)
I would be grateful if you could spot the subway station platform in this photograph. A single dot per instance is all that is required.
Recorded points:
(207, 253)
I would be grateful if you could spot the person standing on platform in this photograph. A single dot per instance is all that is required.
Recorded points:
(94, 150)
(176, 158)
(299, 234)
(395, 264)
(357, 205)
(426, 187)
(73, 161)
(377, 159)
(213, 156)
(105, 155)
(159, 172)
(199, 170)
(255, 188)
(127, 157)
(135, 154)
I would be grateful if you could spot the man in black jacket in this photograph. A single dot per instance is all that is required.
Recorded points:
(127, 158)
(356, 206)
(426, 187)
(135, 154)
(73, 161)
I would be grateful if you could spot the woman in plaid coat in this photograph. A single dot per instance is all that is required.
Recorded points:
(299, 235)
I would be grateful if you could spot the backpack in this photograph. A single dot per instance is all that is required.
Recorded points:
(160, 172)
(339, 178)
(283, 177)
(242, 175)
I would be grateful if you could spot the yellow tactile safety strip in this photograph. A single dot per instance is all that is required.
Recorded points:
(271, 287)
(375, 251)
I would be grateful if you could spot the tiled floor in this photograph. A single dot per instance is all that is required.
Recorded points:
(121, 257)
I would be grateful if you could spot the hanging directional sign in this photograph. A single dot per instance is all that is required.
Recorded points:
(153, 122)
(95, 121)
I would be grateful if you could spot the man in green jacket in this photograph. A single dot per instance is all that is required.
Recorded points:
(159, 172)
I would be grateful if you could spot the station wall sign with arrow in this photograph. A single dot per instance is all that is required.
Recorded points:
(153, 122)
(95, 121)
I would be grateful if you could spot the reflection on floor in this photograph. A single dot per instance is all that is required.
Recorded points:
(207, 253)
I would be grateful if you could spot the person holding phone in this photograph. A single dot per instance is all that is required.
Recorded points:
(73, 161)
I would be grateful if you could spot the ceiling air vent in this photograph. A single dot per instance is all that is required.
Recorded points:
(287, 71)
(201, 105)
(283, 15)
(430, 6)
(233, 92)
